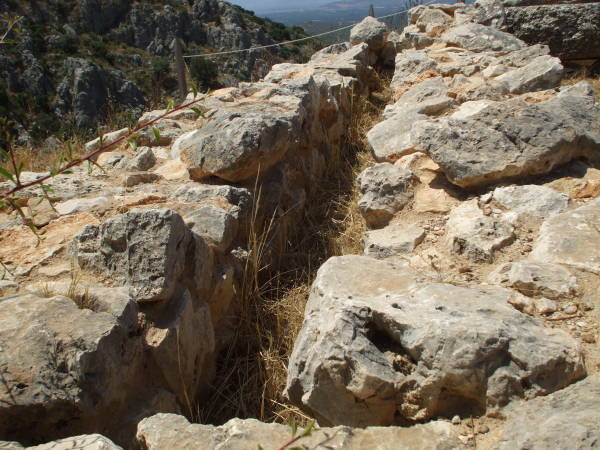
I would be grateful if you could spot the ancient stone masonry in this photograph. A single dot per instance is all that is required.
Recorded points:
(480, 263)
(159, 242)
(470, 321)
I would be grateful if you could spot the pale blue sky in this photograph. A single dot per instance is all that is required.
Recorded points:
(270, 5)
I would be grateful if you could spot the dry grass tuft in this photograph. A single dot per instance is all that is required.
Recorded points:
(252, 372)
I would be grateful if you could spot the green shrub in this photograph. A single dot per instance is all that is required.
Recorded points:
(68, 44)
(204, 72)
(98, 48)
(160, 68)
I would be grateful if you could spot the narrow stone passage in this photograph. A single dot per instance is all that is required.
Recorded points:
(252, 372)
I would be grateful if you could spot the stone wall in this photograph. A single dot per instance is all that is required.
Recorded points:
(470, 320)
(159, 243)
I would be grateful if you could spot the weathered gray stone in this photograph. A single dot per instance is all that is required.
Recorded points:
(581, 89)
(433, 21)
(428, 97)
(390, 138)
(570, 31)
(83, 442)
(146, 250)
(477, 236)
(334, 49)
(411, 39)
(62, 364)
(133, 179)
(235, 144)
(531, 199)
(409, 65)
(498, 143)
(520, 58)
(536, 279)
(544, 72)
(392, 240)
(494, 71)
(415, 349)
(107, 139)
(182, 343)
(174, 432)
(565, 419)
(144, 159)
(468, 109)
(571, 238)
(479, 38)
(370, 31)
(76, 205)
(417, 13)
(198, 193)
(217, 226)
(168, 131)
(385, 189)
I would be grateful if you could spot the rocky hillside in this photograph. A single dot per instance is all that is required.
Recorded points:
(75, 61)
(470, 318)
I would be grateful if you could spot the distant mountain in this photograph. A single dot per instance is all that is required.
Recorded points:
(74, 61)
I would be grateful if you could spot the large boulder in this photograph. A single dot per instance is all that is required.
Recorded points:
(568, 418)
(570, 30)
(479, 38)
(150, 251)
(235, 145)
(511, 139)
(382, 343)
(65, 369)
(370, 31)
(174, 432)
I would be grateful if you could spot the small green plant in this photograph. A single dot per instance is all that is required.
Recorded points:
(308, 431)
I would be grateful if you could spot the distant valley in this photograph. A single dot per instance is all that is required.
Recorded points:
(339, 14)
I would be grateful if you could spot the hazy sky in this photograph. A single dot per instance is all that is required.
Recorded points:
(270, 5)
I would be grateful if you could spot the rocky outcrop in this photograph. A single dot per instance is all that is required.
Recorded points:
(87, 89)
(565, 419)
(414, 349)
(477, 288)
(69, 368)
(568, 29)
(175, 432)
(172, 247)
(452, 309)
(66, 59)
(571, 238)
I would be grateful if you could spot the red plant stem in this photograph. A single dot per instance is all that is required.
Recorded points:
(94, 153)
(287, 444)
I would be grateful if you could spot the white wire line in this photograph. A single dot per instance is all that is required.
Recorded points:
(205, 55)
